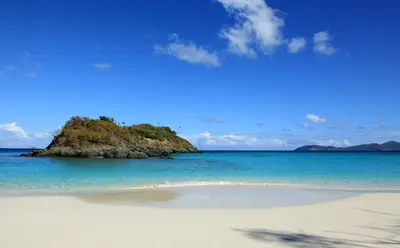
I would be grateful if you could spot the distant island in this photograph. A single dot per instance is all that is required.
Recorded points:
(104, 138)
(391, 146)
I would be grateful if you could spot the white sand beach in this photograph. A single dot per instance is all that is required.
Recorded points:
(369, 220)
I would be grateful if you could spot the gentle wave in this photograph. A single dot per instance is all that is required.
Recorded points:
(258, 184)
(167, 185)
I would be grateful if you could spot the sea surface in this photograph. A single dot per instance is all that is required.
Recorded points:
(328, 170)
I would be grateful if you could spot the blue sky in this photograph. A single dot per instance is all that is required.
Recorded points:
(226, 74)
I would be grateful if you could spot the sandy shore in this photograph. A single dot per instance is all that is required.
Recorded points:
(370, 220)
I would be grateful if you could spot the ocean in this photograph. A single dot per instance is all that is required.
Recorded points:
(322, 169)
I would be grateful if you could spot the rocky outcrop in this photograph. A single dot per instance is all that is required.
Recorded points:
(103, 138)
(391, 146)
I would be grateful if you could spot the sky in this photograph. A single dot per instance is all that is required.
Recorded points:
(225, 74)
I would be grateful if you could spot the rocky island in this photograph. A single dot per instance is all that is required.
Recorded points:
(103, 138)
(391, 146)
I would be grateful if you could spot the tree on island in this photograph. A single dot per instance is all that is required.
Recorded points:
(105, 118)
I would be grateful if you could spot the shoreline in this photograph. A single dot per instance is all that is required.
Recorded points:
(260, 184)
(6, 192)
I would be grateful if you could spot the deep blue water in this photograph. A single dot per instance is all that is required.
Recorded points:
(327, 169)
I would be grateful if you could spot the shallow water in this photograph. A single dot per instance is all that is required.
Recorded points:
(366, 170)
(225, 197)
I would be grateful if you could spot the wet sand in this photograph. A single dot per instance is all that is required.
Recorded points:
(223, 197)
(129, 197)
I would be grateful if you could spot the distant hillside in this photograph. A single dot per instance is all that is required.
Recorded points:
(387, 146)
(103, 138)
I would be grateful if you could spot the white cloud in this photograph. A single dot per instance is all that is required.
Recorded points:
(256, 25)
(14, 129)
(213, 120)
(326, 142)
(206, 140)
(42, 135)
(346, 143)
(322, 43)
(31, 75)
(296, 45)
(330, 142)
(102, 66)
(189, 52)
(315, 119)
(12, 135)
(11, 68)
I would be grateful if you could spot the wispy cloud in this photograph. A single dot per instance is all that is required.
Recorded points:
(286, 130)
(31, 75)
(315, 119)
(296, 45)
(379, 134)
(305, 125)
(26, 54)
(206, 140)
(213, 120)
(322, 43)
(256, 25)
(377, 124)
(102, 66)
(338, 125)
(38, 64)
(42, 135)
(188, 51)
(260, 124)
(10, 68)
(384, 126)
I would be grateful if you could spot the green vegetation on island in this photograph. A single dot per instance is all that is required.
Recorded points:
(104, 138)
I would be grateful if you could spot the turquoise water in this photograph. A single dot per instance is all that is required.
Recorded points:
(326, 169)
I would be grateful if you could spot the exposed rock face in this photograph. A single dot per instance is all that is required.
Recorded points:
(103, 138)
(391, 146)
(137, 155)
